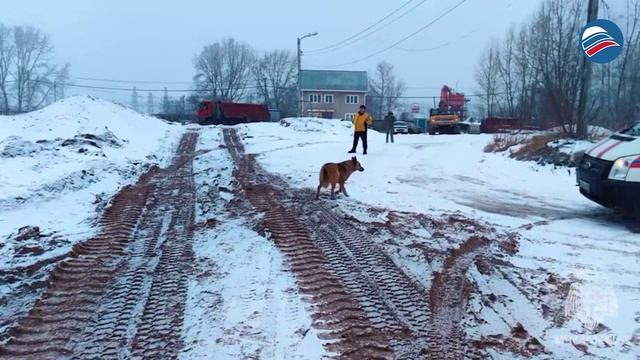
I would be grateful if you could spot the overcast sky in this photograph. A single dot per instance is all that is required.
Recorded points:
(157, 40)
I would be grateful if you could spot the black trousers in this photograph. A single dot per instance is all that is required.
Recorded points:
(360, 135)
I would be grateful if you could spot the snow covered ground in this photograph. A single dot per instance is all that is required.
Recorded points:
(571, 281)
(60, 166)
(243, 302)
(591, 248)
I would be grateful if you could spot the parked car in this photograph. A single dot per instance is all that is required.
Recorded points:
(470, 126)
(414, 129)
(609, 172)
(400, 127)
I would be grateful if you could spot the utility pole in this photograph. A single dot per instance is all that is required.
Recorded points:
(299, 89)
(382, 93)
(581, 121)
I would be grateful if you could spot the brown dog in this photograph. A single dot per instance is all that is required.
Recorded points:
(332, 174)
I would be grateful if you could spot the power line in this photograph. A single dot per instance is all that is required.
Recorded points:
(437, 96)
(362, 31)
(123, 89)
(318, 52)
(401, 40)
(464, 36)
(133, 81)
(83, 86)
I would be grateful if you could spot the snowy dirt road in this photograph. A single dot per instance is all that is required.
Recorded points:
(374, 309)
(122, 292)
(562, 248)
(224, 254)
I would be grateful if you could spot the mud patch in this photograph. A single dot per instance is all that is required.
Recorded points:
(519, 342)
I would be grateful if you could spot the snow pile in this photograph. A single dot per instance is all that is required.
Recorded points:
(78, 135)
(60, 165)
(316, 124)
(81, 115)
(571, 146)
(549, 147)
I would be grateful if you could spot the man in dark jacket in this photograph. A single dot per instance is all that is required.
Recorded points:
(389, 120)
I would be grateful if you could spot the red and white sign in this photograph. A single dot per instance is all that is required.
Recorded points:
(415, 108)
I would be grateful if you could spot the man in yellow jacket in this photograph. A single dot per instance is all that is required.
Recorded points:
(361, 121)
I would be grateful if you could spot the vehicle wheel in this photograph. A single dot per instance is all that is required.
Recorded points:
(432, 132)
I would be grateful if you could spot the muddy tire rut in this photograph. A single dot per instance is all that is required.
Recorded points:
(120, 294)
(365, 301)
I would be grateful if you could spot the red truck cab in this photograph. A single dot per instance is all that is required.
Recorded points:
(205, 111)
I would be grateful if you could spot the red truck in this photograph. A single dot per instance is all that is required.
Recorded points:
(227, 113)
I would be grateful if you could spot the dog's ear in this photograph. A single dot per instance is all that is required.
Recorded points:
(354, 159)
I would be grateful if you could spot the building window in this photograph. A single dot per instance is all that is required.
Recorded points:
(328, 98)
(314, 98)
(351, 99)
(348, 116)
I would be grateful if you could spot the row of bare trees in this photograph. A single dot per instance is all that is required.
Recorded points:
(28, 77)
(231, 70)
(534, 73)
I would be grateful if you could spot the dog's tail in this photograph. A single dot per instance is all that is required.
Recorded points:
(324, 176)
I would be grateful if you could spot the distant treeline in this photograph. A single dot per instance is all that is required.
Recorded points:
(534, 73)
(28, 77)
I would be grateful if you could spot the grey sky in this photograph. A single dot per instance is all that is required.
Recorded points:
(156, 40)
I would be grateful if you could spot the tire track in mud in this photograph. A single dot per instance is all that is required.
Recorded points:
(335, 309)
(351, 277)
(449, 292)
(120, 294)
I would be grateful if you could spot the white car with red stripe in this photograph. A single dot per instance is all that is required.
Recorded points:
(609, 172)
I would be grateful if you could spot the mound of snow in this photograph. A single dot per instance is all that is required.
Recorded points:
(79, 133)
(315, 124)
(60, 166)
(80, 115)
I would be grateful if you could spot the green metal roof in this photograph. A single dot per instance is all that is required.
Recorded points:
(334, 80)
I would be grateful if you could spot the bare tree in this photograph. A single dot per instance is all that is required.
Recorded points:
(33, 73)
(223, 69)
(134, 100)
(556, 59)
(275, 74)
(487, 77)
(60, 82)
(527, 77)
(151, 107)
(385, 89)
(507, 71)
(538, 70)
(6, 59)
(618, 91)
(166, 102)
